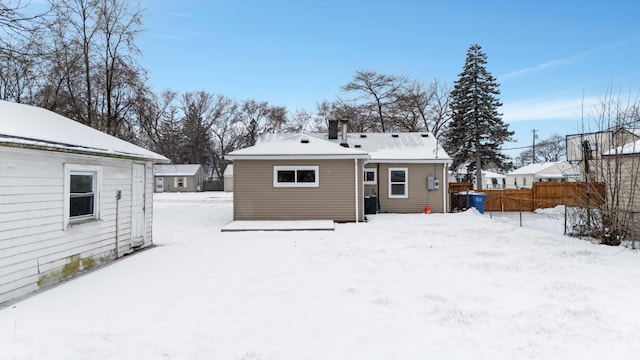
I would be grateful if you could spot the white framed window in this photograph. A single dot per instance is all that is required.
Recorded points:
(296, 176)
(398, 182)
(180, 182)
(82, 187)
(370, 176)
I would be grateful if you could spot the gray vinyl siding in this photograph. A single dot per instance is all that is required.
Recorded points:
(419, 196)
(36, 249)
(255, 197)
(194, 183)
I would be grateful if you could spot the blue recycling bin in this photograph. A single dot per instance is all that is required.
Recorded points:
(477, 201)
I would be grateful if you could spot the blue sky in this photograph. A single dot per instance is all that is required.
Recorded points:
(552, 58)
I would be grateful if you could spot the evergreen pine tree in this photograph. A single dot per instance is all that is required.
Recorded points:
(476, 131)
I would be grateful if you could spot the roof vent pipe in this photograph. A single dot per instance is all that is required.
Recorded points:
(343, 140)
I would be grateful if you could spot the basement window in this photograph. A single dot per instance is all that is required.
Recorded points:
(81, 193)
(295, 176)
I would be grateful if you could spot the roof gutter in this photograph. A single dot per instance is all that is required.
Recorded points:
(295, 157)
(84, 151)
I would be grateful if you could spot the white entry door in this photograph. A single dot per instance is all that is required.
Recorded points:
(137, 205)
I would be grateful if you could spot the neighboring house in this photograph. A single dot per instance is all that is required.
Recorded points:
(228, 178)
(625, 160)
(401, 172)
(525, 176)
(178, 178)
(492, 180)
(405, 171)
(71, 198)
(624, 136)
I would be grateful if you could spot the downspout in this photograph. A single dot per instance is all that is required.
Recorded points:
(445, 183)
(355, 173)
(118, 196)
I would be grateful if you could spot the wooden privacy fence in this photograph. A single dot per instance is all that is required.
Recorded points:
(540, 196)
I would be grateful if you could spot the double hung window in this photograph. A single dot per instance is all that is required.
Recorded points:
(398, 182)
(81, 193)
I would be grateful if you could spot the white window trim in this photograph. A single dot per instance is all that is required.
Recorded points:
(76, 168)
(375, 176)
(296, 184)
(406, 183)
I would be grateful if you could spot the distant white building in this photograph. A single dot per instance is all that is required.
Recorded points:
(490, 179)
(228, 178)
(493, 180)
(525, 176)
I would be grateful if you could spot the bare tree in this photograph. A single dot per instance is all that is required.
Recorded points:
(551, 149)
(378, 91)
(93, 76)
(226, 134)
(423, 108)
(17, 27)
(617, 217)
(258, 117)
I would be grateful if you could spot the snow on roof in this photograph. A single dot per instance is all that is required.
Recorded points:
(24, 125)
(532, 168)
(396, 147)
(491, 174)
(563, 168)
(295, 146)
(627, 149)
(176, 169)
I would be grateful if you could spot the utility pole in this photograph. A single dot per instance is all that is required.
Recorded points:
(533, 149)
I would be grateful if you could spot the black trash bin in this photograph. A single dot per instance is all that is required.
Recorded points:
(370, 204)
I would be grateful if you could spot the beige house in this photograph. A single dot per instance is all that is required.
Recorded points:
(178, 177)
(525, 176)
(405, 173)
(320, 176)
(71, 198)
(298, 177)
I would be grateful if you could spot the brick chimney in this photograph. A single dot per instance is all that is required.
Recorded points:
(333, 129)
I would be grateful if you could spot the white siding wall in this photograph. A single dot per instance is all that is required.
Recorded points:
(35, 248)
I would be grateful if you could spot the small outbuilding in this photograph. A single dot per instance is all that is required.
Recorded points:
(71, 198)
(178, 177)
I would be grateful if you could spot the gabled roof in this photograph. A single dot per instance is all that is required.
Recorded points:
(295, 146)
(532, 168)
(176, 170)
(562, 169)
(396, 147)
(627, 149)
(32, 127)
(491, 174)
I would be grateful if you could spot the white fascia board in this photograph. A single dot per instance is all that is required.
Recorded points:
(411, 161)
(294, 157)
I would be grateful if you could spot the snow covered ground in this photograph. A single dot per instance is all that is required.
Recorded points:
(437, 286)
